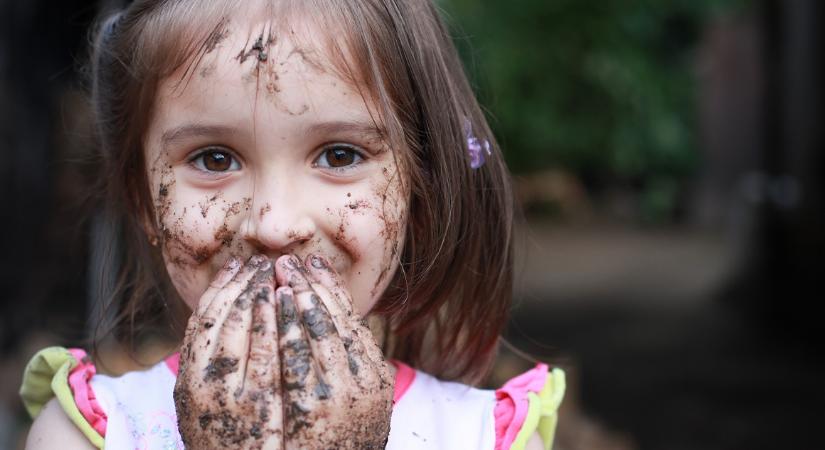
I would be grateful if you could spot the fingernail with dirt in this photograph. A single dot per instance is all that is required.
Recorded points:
(256, 260)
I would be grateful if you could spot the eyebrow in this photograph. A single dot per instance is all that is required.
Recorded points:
(350, 127)
(187, 131)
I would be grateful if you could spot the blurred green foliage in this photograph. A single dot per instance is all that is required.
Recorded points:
(603, 88)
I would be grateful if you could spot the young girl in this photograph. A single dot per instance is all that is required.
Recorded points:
(277, 172)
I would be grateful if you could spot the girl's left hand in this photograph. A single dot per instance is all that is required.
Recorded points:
(337, 387)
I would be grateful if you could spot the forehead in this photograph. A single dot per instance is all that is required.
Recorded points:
(252, 69)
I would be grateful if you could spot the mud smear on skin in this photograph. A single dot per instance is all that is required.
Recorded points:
(205, 205)
(219, 367)
(265, 72)
(245, 423)
(363, 430)
(163, 170)
(213, 40)
(223, 234)
(260, 48)
(264, 209)
(367, 424)
(176, 240)
(295, 355)
(170, 227)
(317, 322)
(340, 237)
(390, 195)
(351, 361)
(218, 34)
(359, 206)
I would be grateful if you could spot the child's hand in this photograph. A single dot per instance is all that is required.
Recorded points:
(337, 388)
(313, 379)
(227, 393)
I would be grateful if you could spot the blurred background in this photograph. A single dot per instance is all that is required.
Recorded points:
(669, 159)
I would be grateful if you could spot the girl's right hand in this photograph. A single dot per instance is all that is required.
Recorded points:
(227, 391)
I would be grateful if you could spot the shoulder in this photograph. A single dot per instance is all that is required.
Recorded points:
(62, 386)
(520, 415)
(430, 413)
(53, 429)
(526, 411)
(59, 378)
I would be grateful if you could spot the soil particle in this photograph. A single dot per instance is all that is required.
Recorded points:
(353, 364)
(351, 361)
(205, 205)
(229, 429)
(204, 420)
(183, 406)
(207, 70)
(263, 414)
(288, 316)
(323, 391)
(358, 204)
(258, 49)
(242, 303)
(255, 431)
(296, 359)
(341, 233)
(219, 398)
(318, 322)
(233, 209)
(296, 419)
(264, 209)
(224, 235)
(219, 367)
(216, 37)
(201, 254)
(262, 295)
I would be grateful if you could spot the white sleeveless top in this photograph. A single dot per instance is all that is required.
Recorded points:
(137, 411)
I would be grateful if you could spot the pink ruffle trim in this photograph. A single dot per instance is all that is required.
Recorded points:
(84, 396)
(404, 377)
(173, 363)
(512, 404)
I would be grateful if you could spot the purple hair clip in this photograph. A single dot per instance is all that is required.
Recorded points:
(475, 148)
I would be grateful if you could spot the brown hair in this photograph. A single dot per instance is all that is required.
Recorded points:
(449, 300)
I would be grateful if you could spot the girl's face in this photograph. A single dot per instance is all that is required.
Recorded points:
(262, 150)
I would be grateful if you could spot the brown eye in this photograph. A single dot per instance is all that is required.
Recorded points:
(339, 157)
(216, 161)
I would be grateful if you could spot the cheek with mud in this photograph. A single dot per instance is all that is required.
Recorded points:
(192, 231)
(385, 206)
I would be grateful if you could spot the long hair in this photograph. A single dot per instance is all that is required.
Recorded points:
(449, 299)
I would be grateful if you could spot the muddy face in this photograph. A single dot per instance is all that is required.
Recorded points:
(263, 150)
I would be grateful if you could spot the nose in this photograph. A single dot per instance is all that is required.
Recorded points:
(278, 219)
